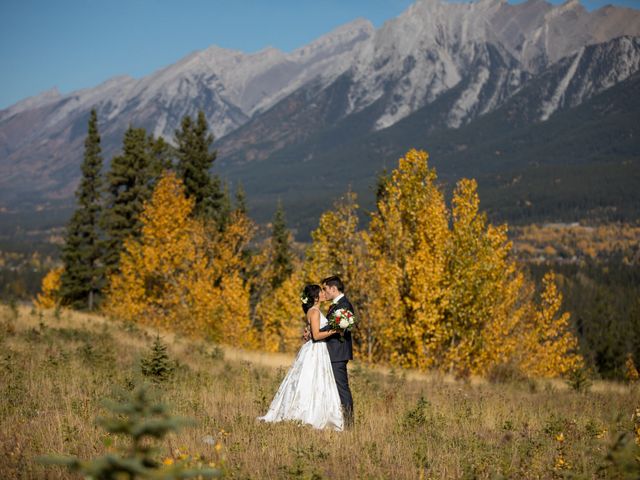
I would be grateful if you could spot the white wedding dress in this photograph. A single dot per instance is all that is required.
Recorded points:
(308, 392)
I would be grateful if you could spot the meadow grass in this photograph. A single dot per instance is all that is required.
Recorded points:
(55, 369)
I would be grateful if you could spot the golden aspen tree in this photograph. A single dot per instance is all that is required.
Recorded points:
(281, 316)
(181, 274)
(49, 298)
(338, 248)
(406, 247)
(225, 249)
(548, 347)
(154, 268)
(228, 263)
(336, 242)
(482, 287)
(434, 295)
(234, 313)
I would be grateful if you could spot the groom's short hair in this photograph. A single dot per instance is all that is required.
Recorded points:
(334, 281)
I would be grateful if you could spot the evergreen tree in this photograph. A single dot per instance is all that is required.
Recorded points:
(143, 422)
(156, 365)
(241, 200)
(195, 159)
(83, 277)
(281, 249)
(224, 212)
(276, 286)
(161, 154)
(129, 185)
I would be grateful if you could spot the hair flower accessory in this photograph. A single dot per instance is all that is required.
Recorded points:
(304, 299)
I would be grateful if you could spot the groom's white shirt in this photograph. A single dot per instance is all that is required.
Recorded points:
(337, 299)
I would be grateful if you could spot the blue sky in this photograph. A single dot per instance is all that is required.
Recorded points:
(74, 44)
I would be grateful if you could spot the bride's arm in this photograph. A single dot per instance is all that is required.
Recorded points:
(314, 320)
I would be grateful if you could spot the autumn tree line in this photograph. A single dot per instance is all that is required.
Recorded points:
(157, 240)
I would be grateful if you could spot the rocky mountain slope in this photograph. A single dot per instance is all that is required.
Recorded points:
(433, 71)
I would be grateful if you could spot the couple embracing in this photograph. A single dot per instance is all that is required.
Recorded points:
(316, 388)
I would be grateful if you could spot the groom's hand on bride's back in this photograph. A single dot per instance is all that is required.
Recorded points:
(306, 335)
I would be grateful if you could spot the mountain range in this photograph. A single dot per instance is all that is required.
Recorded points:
(538, 102)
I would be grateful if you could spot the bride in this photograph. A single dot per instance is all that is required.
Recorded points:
(308, 392)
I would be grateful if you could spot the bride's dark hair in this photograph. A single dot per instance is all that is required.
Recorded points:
(310, 293)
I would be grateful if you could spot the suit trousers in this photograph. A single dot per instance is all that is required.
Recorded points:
(342, 381)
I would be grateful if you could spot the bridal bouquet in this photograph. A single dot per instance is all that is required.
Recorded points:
(342, 320)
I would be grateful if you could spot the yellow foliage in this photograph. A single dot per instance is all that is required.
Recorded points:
(181, 274)
(339, 249)
(432, 287)
(631, 372)
(50, 287)
(548, 348)
(234, 315)
(436, 288)
(281, 316)
(406, 247)
(336, 242)
(636, 425)
(482, 287)
(579, 241)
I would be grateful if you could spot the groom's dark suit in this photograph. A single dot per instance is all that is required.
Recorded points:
(340, 353)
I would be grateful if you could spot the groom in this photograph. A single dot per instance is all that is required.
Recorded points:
(340, 352)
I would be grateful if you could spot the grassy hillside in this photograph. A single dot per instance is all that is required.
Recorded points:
(56, 369)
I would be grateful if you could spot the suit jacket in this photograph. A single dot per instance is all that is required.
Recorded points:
(339, 351)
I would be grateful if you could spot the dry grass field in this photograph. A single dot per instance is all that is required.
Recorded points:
(56, 368)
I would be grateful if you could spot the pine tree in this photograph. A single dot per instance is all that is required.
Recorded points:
(224, 212)
(578, 378)
(241, 200)
(195, 160)
(143, 422)
(156, 365)
(129, 185)
(267, 269)
(161, 154)
(282, 257)
(82, 277)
